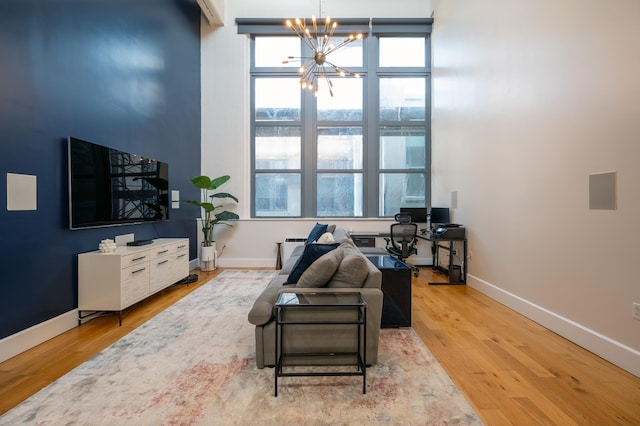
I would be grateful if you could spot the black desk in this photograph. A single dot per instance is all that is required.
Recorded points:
(457, 272)
(459, 275)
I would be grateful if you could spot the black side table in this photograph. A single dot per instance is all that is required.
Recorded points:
(288, 303)
(396, 289)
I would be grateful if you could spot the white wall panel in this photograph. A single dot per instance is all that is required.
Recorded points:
(529, 99)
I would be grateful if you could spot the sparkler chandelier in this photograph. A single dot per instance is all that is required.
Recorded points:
(318, 39)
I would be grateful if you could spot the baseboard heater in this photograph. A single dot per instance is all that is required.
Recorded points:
(291, 243)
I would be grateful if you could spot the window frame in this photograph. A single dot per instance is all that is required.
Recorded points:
(371, 74)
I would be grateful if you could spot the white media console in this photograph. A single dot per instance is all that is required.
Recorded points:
(116, 281)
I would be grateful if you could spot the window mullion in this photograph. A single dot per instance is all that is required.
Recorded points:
(372, 119)
(309, 151)
(308, 148)
(386, 182)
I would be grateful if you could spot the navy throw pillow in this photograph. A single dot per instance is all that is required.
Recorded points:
(316, 232)
(310, 254)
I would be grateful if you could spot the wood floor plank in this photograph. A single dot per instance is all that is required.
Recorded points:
(512, 370)
(515, 369)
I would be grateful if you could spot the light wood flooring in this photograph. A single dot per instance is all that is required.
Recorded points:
(511, 370)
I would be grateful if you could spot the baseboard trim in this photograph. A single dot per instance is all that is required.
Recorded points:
(26, 339)
(611, 350)
(193, 264)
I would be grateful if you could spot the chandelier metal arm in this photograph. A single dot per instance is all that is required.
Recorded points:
(314, 67)
(347, 41)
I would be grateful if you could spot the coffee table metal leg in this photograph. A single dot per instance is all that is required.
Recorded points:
(364, 355)
(277, 361)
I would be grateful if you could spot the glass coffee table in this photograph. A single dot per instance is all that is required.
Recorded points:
(321, 307)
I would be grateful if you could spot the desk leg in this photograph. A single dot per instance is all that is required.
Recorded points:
(434, 255)
(463, 263)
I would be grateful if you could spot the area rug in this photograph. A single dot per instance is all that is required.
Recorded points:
(193, 364)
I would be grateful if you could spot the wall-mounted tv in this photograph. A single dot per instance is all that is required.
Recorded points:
(109, 187)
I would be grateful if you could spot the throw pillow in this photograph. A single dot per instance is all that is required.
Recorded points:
(309, 255)
(326, 238)
(316, 232)
(320, 272)
(352, 271)
(341, 235)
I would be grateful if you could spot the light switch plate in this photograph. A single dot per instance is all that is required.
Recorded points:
(175, 199)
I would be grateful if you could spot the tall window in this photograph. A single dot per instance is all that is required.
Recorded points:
(363, 152)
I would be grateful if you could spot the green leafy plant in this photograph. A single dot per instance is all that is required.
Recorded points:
(218, 201)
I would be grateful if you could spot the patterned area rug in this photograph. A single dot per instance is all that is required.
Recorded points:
(193, 364)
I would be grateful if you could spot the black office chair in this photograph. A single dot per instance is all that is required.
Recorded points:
(403, 241)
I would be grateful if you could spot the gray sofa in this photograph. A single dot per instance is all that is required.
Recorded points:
(340, 270)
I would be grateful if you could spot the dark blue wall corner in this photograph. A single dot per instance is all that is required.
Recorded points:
(125, 74)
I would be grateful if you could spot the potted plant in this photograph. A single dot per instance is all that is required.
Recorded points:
(212, 215)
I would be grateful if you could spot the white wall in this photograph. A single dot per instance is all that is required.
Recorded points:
(225, 116)
(529, 98)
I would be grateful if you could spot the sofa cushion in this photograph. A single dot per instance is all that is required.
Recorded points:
(352, 271)
(309, 255)
(340, 235)
(321, 271)
(263, 308)
(316, 232)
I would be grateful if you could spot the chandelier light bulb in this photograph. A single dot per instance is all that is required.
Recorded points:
(317, 39)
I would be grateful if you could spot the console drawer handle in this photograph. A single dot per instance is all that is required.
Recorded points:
(182, 255)
(139, 270)
(182, 246)
(163, 251)
(138, 258)
(164, 261)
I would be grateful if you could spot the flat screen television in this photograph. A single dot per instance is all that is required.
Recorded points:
(108, 187)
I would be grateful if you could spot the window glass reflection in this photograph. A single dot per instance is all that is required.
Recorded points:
(346, 103)
(277, 194)
(271, 51)
(402, 147)
(277, 147)
(340, 148)
(347, 56)
(339, 194)
(277, 99)
(402, 99)
(402, 51)
(401, 190)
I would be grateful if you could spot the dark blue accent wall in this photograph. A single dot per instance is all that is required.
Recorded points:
(124, 74)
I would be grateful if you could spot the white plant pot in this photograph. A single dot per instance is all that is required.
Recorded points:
(208, 257)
